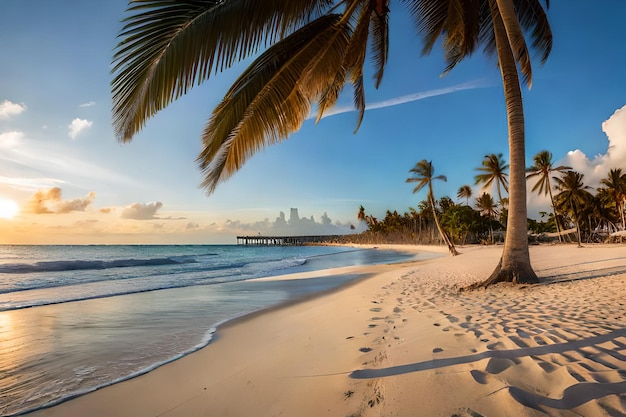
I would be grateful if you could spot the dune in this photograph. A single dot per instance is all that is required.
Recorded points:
(407, 342)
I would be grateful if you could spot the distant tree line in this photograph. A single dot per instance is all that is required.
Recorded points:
(579, 213)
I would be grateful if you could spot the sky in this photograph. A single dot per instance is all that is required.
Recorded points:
(65, 179)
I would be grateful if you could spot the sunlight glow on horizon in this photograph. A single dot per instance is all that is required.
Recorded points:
(8, 209)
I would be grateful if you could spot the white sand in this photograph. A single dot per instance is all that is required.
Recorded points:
(407, 343)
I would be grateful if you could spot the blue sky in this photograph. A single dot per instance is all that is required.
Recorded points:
(74, 183)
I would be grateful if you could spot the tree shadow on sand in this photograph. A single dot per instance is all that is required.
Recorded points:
(573, 396)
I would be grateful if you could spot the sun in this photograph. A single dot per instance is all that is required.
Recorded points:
(8, 208)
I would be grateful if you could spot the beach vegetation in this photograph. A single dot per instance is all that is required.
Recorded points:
(487, 206)
(593, 216)
(572, 198)
(465, 191)
(424, 175)
(541, 170)
(464, 224)
(493, 174)
(614, 190)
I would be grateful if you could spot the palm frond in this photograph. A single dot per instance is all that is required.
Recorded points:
(272, 98)
(429, 17)
(380, 39)
(533, 18)
(355, 59)
(168, 46)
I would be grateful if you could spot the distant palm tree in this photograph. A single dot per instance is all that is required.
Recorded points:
(603, 213)
(423, 175)
(493, 174)
(542, 169)
(465, 191)
(371, 221)
(487, 207)
(572, 197)
(615, 186)
(312, 49)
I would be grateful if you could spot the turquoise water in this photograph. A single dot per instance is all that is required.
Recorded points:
(75, 318)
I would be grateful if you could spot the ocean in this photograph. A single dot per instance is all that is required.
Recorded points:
(77, 318)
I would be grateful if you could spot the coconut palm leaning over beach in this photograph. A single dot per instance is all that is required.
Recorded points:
(423, 174)
(315, 48)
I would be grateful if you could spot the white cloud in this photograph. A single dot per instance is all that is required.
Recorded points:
(78, 126)
(88, 104)
(593, 169)
(49, 160)
(10, 139)
(9, 109)
(141, 211)
(470, 85)
(30, 184)
(598, 167)
(51, 201)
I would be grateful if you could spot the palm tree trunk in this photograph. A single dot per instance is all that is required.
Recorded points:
(576, 219)
(514, 265)
(556, 220)
(443, 234)
(580, 241)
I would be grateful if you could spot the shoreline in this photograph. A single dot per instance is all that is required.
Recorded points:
(296, 359)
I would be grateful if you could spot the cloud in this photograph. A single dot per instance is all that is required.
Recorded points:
(29, 184)
(141, 211)
(9, 109)
(78, 126)
(470, 85)
(596, 168)
(593, 169)
(10, 139)
(50, 201)
(88, 104)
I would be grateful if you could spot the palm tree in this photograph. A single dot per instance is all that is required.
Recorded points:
(315, 48)
(465, 191)
(423, 175)
(615, 186)
(487, 207)
(369, 220)
(542, 169)
(493, 174)
(572, 196)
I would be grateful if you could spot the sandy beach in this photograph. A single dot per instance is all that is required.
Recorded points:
(407, 342)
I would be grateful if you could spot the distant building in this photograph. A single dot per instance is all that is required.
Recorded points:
(293, 217)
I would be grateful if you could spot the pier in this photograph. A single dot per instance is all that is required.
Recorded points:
(285, 240)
